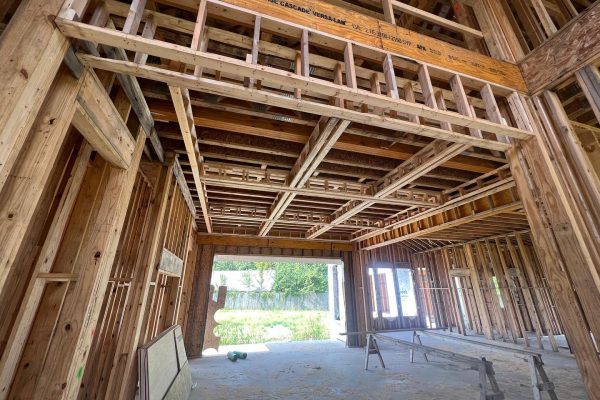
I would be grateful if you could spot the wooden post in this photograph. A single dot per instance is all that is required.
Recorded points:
(589, 81)
(37, 49)
(28, 181)
(481, 304)
(454, 294)
(497, 310)
(557, 239)
(503, 279)
(198, 306)
(388, 11)
(58, 374)
(525, 288)
(536, 286)
(122, 383)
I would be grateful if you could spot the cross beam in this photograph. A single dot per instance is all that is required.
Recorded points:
(181, 101)
(285, 79)
(323, 137)
(430, 157)
(257, 179)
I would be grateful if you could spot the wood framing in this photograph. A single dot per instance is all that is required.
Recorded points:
(370, 32)
(273, 242)
(99, 122)
(40, 54)
(570, 49)
(448, 149)
(181, 100)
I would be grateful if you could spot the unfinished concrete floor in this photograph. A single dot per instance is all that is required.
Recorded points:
(329, 370)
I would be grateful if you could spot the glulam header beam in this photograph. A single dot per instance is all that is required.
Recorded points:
(327, 19)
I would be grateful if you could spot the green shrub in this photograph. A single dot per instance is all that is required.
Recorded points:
(250, 327)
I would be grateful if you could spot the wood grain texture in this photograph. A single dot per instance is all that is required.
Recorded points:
(353, 26)
(571, 48)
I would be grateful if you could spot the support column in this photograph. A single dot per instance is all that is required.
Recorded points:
(559, 231)
(32, 50)
(352, 307)
(198, 303)
(20, 220)
(66, 320)
(486, 323)
(589, 81)
(122, 382)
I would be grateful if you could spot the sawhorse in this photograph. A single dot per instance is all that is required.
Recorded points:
(372, 348)
(536, 367)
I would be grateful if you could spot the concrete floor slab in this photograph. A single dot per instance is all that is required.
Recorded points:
(329, 370)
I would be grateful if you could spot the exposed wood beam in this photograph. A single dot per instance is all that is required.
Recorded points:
(574, 46)
(354, 140)
(455, 203)
(424, 161)
(134, 93)
(227, 89)
(589, 81)
(40, 53)
(181, 101)
(325, 134)
(384, 36)
(230, 65)
(322, 188)
(134, 17)
(97, 119)
(476, 216)
(436, 19)
(241, 241)
(267, 48)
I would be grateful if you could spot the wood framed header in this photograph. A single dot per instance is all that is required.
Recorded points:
(230, 240)
(368, 31)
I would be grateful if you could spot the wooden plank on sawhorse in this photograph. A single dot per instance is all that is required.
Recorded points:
(534, 359)
(417, 338)
(372, 348)
(487, 390)
(486, 372)
(536, 367)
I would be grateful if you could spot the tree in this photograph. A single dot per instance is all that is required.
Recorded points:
(298, 279)
(291, 278)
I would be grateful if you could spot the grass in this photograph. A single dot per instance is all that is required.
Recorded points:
(255, 326)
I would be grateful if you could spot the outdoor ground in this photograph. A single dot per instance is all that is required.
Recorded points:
(328, 370)
(255, 326)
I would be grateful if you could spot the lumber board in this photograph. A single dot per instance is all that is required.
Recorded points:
(141, 296)
(436, 19)
(268, 48)
(554, 231)
(568, 50)
(28, 180)
(260, 96)
(321, 140)
(98, 120)
(286, 79)
(36, 49)
(428, 158)
(69, 350)
(35, 290)
(198, 304)
(182, 103)
(328, 19)
(247, 241)
(132, 89)
(170, 263)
